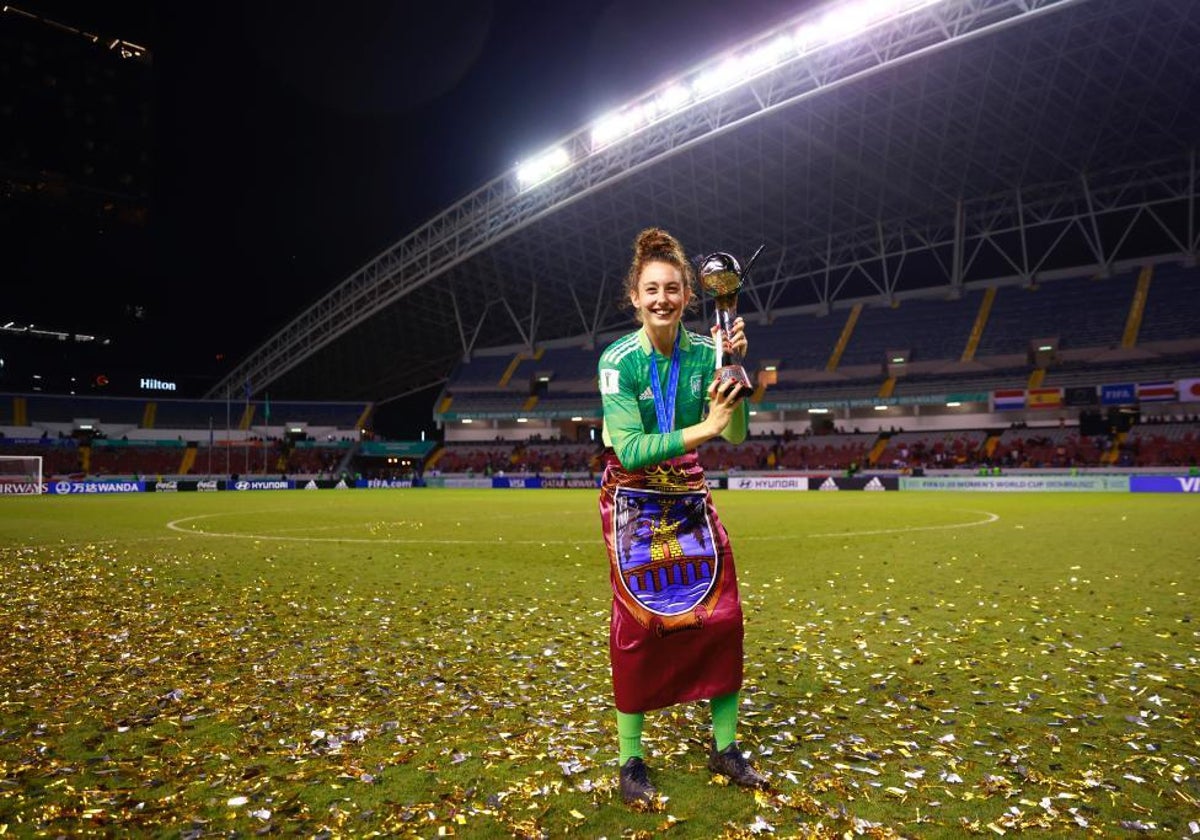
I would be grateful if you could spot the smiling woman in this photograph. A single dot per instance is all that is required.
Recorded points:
(675, 635)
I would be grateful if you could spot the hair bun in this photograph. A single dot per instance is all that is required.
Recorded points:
(655, 242)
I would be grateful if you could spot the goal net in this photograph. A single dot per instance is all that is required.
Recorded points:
(20, 475)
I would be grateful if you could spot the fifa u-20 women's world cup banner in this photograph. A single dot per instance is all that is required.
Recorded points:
(676, 631)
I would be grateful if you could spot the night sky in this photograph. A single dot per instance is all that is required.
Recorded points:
(292, 142)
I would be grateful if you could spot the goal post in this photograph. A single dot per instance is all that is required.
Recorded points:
(21, 475)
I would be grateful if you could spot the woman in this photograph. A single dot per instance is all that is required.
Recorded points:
(676, 631)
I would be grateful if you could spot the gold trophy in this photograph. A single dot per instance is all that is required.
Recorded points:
(722, 279)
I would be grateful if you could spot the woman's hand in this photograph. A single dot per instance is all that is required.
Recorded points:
(723, 398)
(736, 340)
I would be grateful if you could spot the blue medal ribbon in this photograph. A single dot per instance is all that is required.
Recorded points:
(665, 408)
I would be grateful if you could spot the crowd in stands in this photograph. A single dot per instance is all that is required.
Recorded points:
(533, 456)
(1174, 443)
(1158, 442)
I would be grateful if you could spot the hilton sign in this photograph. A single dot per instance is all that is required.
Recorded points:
(156, 385)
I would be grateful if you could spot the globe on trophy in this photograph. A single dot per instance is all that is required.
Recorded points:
(722, 278)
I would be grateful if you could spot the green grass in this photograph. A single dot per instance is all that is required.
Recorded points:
(409, 662)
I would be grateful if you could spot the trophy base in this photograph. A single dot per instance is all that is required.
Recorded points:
(738, 374)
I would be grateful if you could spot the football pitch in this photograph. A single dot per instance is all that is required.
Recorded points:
(434, 662)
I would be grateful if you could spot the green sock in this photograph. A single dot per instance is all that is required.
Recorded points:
(629, 730)
(724, 719)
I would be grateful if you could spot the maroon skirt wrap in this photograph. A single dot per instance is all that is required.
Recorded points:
(676, 631)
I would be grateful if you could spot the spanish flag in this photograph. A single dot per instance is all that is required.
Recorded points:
(1044, 398)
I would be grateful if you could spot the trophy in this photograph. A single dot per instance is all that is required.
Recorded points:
(722, 279)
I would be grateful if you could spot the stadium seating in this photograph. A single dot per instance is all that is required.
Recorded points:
(1088, 316)
(929, 329)
(135, 460)
(932, 448)
(1172, 444)
(1081, 312)
(1054, 446)
(1172, 305)
(51, 408)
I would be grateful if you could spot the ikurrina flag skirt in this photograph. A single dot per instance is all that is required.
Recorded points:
(676, 631)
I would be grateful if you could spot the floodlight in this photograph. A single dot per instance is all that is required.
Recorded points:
(953, 404)
(607, 129)
(768, 55)
(674, 97)
(545, 165)
(467, 420)
(881, 408)
(818, 411)
(725, 75)
(522, 420)
(844, 21)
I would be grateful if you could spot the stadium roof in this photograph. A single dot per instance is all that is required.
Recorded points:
(938, 143)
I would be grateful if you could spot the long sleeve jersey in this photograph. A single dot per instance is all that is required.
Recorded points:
(630, 420)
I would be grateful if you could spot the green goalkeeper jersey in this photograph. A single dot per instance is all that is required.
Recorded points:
(630, 420)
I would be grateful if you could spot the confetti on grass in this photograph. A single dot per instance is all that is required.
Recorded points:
(303, 700)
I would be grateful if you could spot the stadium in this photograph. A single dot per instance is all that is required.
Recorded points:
(976, 293)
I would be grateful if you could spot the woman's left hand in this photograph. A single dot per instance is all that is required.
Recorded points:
(736, 340)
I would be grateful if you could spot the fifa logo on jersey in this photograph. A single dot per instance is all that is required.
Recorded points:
(610, 381)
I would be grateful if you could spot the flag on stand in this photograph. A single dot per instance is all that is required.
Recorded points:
(1156, 392)
(1189, 390)
(1007, 400)
(1045, 398)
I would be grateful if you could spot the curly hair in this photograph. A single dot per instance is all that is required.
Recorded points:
(656, 245)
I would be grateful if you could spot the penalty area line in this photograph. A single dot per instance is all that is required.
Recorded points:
(988, 519)
(176, 525)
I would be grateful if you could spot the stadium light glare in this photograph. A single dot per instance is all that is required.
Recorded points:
(576, 419)
(674, 98)
(716, 79)
(806, 37)
(953, 404)
(522, 419)
(774, 48)
(881, 408)
(607, 129)
(467, 420)
(538, 169)
(818, 411)
(769, 55)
